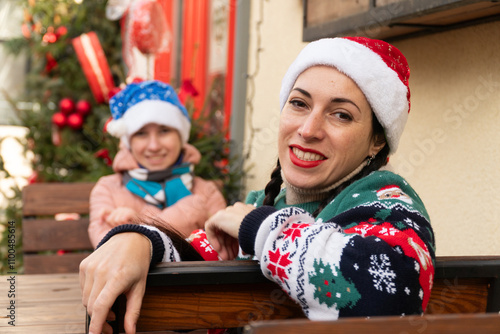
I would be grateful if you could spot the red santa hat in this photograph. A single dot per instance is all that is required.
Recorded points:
(379, 69)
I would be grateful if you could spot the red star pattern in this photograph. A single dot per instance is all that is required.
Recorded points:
(278, 264)
(295, 230)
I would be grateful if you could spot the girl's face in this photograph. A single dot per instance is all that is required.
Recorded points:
(325, 129)
(156, 147)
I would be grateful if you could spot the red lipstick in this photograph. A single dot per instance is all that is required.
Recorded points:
(302, 163)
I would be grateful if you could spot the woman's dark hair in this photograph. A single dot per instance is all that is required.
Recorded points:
(273, 188)
(186, 251)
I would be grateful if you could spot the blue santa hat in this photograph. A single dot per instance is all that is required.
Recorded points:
(147, 102)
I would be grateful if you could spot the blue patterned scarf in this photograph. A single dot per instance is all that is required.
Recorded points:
(160, 188)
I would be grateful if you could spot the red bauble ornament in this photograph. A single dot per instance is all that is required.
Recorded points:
(59, 119)
(61, 31)
(50, 37)
(67, 105)
(75, 121)
(83, 107)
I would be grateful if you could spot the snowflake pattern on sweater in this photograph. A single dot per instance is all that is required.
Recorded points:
(369, 252)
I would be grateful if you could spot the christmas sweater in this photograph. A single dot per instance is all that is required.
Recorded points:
(369, 252)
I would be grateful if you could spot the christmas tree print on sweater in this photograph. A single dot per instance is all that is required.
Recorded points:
(331, 287)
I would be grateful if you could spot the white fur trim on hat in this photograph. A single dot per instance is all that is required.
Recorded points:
(155, 111)
(385, 92)
(117, 128)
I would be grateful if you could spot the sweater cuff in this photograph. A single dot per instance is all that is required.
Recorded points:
(250, 226)
(153, 236)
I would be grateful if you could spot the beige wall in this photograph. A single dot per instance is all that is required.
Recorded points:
(450, 149)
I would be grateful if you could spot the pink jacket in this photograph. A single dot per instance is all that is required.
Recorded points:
(187, 215)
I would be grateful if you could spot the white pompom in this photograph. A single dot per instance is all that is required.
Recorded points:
(117, 128)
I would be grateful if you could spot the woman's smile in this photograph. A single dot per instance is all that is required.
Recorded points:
(305, 158)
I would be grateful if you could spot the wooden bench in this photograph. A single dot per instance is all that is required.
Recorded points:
(226, 294)
(43, 236)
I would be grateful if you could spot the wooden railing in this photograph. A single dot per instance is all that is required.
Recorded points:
(476, 323)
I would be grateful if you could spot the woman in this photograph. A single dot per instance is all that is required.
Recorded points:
(153, 168)
(341, 238)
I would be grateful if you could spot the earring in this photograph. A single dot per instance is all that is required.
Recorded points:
(370, 159)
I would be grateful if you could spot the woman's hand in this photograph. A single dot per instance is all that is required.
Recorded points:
(119, 216)
(120, 266)
(222, 229)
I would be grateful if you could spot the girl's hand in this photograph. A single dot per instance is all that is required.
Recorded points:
(120, 266)
(119, 216)
(222, 229)
(191, 154)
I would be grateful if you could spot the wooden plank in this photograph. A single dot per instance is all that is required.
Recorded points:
(48, 264)
(67, 328)
(45, 304)
(52, 198)
(52, 235)
(217, 294)
(464, 295)
(459, 14)
(203, 266)
(380, 3)
(387, 19)
(47, 234)
(29, 314)
(456, 324)
(467, 266)
(320, 11)
(211, 306)
(37, 280)
(466, 284)
(39, 290)
(206, 272)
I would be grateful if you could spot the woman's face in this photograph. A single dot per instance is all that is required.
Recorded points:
(155, 146)
(325, 129)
